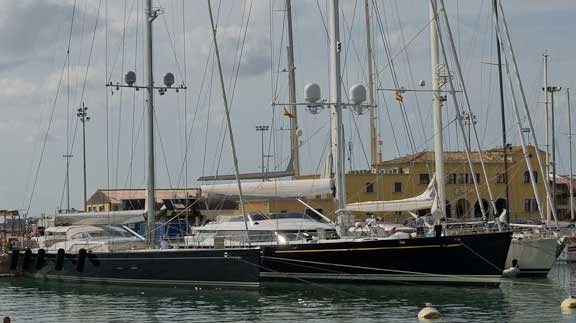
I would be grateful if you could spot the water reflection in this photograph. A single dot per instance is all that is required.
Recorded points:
(521, 301)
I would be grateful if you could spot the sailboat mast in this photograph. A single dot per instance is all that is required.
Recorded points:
(570, 153)
(338, 146)
(150, 187)
(373, 134)
(502, 115)
(294, 144)
(547, 175)
(437, 109)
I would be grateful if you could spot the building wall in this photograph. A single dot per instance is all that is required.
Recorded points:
(409, 176)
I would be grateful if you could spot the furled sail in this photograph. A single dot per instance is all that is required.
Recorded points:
(100, 218)
(420, 202)
(285, 189)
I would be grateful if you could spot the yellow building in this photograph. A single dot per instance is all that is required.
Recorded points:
(106, 200)
(409, 176)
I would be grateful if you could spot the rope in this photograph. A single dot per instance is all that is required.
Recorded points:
(45, 141)
(416, 273)
(480, 256)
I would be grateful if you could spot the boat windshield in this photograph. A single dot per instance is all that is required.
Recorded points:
(252, 217)
(290, 215)
(104, 233)
(233, 237)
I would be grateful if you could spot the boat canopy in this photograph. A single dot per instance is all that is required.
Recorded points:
(100, 218)
(284, 189)
(420, 202)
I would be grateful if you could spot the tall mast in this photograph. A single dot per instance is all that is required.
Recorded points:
(373, 134)
(502, 115)
(516, 72)
(338, 145)
(547, 175)
(294, 144)
(437, 109)
(553, 129)
(570, 153)
(150, 188)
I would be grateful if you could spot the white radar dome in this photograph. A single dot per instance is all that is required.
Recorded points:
(358, 94)
(312, 93)
(130, 78)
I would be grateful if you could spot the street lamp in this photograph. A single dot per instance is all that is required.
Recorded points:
(469, 120)
(262, 129)
(82, 114)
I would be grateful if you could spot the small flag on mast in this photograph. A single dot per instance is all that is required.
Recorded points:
(398, 97)
(288, 114)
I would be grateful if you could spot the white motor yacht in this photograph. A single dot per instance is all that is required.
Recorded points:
(90, 237)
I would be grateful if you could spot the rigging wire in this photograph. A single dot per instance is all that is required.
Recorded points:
(120, 99)
(45, 141)
(223, 134)
(394, 77)
(410, 69)
(128, 181)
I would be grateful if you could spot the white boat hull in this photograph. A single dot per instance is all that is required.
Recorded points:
(534, 256)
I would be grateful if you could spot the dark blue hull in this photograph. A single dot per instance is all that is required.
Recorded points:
(464, 259)
(238, 268)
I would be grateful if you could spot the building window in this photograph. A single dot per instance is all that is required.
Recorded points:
(501, 178)
(530, 205)
(101, 208)
(424, 178)
(451, 178)
(527, 176)
(370, 187)
(562, 199)
(397, 187)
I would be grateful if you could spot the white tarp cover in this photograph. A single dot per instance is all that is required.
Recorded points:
(100, 218)
(420, 202)
(285, 189)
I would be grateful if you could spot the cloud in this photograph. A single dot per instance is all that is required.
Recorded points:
(31, 27)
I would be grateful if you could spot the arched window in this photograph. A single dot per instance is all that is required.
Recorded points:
(501, 204)
(478, 210)
(462, 207)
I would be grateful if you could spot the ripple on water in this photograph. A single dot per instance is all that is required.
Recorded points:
(522, 301)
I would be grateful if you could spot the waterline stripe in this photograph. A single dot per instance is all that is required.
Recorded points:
(373, 248)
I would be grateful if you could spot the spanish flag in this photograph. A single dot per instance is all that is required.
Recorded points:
(398, 97)
(288, 114)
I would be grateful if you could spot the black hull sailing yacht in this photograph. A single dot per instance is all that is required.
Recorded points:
(216, 267)
(470, 259)
(475, 259)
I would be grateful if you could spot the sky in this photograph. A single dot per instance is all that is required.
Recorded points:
(58, 54)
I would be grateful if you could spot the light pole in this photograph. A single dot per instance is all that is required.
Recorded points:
(262, 129)
(552, 90)
(469, 120)
(68, 156)
(83, 116)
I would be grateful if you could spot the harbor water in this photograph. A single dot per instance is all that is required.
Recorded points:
(526, 300)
